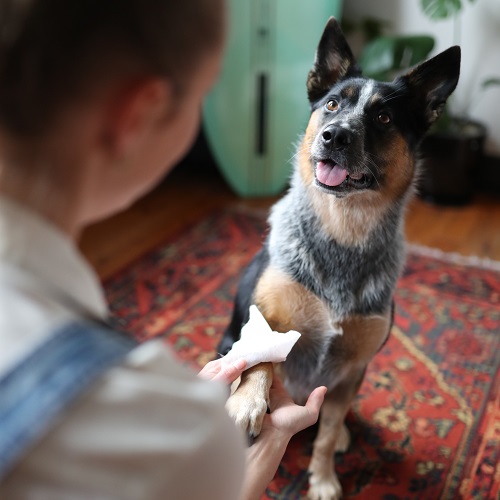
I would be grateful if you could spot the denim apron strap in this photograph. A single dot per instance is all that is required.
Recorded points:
(35, 393)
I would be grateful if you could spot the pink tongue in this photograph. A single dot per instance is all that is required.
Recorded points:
(330, 175)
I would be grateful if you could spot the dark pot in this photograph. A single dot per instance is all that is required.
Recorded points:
(449, 163)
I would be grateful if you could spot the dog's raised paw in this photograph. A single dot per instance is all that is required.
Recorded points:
(324, 488)
(247, 413)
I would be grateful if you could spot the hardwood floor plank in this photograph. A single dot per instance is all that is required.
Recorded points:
(112, 244)
(473, 229)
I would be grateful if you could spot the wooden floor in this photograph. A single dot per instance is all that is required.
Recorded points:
(184, 198)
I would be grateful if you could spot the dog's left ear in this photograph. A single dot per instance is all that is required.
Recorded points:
(432, 82)
(333, 61)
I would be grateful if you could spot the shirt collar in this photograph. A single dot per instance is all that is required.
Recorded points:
(41, 250)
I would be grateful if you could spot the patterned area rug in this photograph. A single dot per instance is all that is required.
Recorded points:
(426, 423)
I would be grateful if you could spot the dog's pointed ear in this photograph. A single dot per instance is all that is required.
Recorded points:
(432, 82)
(333, 61)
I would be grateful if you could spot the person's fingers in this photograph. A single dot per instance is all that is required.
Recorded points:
(229, 373)
(210, 369)
(310, 411)
(278, 395)
(315, 400)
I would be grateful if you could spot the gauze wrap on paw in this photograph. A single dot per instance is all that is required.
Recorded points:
(259, 344)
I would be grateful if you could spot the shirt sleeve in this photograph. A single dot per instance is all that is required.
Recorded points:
(149, 429)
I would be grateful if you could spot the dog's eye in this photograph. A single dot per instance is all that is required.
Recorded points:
(332, 105)
(384, 118)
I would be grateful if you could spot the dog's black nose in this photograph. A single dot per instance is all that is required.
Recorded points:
(336, 137)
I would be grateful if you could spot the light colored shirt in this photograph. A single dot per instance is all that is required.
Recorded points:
(149, 429)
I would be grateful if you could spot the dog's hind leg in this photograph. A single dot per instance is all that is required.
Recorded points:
(323, 482)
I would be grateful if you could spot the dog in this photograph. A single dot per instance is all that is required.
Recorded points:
(335, 249)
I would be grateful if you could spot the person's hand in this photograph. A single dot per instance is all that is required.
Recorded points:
(287, 417)
(223, 372)
(285, 420)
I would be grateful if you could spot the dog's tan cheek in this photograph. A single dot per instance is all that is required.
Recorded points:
(306, 168)
(400, 169)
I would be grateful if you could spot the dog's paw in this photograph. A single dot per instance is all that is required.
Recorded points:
(343, 440)
(247, 413)
(324, 488)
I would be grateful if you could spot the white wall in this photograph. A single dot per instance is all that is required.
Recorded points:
(479, 39)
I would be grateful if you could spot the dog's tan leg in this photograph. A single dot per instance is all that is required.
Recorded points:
(343, 441)
(248, 404)
(323, 482)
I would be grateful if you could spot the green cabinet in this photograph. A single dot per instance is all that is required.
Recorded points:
(258, 108)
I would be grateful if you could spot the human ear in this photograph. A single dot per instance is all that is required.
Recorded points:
(136, 111)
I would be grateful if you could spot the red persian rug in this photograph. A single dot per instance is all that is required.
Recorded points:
(426, 423)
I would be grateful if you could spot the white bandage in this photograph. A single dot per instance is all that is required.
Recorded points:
(259, 344)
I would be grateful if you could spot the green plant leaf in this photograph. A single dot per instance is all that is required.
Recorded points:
(440, 9)
(490, 82)
(372, 27)
(389, 54)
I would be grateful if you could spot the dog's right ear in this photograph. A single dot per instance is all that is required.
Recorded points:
(431, 83)
(333, 61)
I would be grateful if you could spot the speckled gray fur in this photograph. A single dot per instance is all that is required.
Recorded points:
(350, 279)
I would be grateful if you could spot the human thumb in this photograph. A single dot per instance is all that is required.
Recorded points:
(314, 402)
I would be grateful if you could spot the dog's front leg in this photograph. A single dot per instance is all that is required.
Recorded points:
(332, 436)
(248, 405)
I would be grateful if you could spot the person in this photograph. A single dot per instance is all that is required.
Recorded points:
(98, 99)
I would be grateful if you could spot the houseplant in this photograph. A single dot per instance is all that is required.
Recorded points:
(452, 151)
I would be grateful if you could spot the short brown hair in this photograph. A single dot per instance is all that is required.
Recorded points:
(49, 49)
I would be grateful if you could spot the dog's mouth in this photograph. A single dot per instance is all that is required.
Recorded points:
(332, 177)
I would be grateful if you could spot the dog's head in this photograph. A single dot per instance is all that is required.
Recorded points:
(363, 134)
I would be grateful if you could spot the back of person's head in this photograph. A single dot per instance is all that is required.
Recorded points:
(53, 51)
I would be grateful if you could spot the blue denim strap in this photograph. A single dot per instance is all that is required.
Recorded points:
(36, 391)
